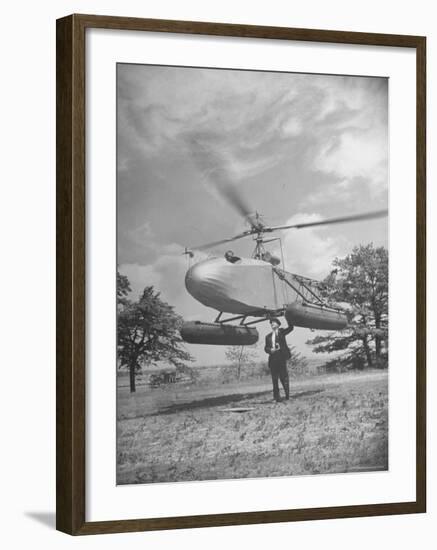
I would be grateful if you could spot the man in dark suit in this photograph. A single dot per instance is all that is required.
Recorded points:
(278, 352)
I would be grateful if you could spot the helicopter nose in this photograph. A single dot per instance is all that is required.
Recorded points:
(204, 281)
(197, 276)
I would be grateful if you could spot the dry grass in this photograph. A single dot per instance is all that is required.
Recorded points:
(330, 425)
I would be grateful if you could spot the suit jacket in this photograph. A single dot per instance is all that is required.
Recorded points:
(283, 353)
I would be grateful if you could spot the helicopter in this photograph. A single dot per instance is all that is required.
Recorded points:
(248, 290)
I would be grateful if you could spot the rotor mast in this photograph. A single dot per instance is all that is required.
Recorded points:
(258, 232)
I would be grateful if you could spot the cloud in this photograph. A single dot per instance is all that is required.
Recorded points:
(245, 116)
(228, 129)
(141, 243)
(355, 156)
(310, 252)
(236, 125)
(354, 138)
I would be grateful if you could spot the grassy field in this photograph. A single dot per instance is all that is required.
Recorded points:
(332, 424)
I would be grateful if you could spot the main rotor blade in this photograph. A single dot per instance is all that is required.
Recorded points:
(217, 166)
(230, 193)
(223, 241)
(355, 218)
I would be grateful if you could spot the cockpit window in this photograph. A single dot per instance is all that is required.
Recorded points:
(231, 258)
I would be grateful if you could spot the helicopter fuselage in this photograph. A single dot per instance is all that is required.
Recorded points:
(249, 287)
(245, 287)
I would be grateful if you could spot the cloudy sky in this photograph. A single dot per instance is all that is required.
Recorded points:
(298, 147)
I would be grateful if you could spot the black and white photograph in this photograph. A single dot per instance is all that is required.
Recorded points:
(252, 274)
(218, 225)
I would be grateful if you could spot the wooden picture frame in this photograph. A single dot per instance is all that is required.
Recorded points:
(71, 252)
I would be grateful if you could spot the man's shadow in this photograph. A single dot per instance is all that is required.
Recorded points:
(45, 518)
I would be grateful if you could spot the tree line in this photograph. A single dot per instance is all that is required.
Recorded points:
(147, 331)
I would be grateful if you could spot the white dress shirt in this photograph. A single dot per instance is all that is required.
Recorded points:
(274, 339)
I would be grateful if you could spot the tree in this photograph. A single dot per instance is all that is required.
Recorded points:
(123, 289)
(240, 356)
(147, 331)
(361, 283)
